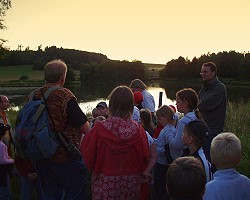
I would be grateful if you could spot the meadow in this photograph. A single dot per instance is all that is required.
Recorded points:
(9, 73)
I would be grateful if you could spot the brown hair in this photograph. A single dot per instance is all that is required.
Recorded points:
(165, 111)
(191, 97)
(54, 71)
(137, 83)
(186, 179)
(212, 66)
(121, 102)
(146, 117)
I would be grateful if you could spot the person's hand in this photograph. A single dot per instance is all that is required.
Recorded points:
(32, 176)
(147, 177)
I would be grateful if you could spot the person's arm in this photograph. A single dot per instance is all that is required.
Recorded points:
(76, 117)
(151, 163)
(213, 99)
(88, 148)
(175, 139)
(152, 159)
(4, 157)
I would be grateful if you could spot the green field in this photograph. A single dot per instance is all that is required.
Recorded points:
(9, 73)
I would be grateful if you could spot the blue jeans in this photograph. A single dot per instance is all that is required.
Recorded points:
(27, 187)
(64, 181)
(5, 193)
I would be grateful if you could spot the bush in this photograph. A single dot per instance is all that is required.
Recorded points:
(24, 78)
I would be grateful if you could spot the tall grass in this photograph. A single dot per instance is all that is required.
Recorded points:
(237, 121)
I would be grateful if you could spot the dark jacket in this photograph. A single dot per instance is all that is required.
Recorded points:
(212, 104)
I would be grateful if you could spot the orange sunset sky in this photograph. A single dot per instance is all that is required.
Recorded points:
(152, 31)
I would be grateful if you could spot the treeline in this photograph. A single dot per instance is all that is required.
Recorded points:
(112, 70)
(230, 65)
(74, 58)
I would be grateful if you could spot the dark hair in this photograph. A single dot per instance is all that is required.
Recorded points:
(121, 102)
(191, 97)
(186, 179)
(198, 141)
(212, 66)
(146, 117)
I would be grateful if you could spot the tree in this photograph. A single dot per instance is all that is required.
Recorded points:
(4, 6)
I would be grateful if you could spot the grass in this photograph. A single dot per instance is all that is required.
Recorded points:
(9, 73)
(237, 121)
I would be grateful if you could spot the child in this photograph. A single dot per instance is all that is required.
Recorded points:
(228, 184)
(146, 121)
(186, 179)
(138, 99)
(6, 165)
(29, 180)
(165, 118)
(186, 102)
(194, 136)
(102, 109)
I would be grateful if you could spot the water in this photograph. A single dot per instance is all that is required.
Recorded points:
(89, 95)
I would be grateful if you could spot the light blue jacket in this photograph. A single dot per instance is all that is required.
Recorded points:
(161, 141)
(148, 101)
(228, 184)
(175, 140)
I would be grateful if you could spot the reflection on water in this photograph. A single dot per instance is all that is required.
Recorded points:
(89, 95)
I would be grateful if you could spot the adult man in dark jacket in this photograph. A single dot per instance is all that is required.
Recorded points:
(212, 103)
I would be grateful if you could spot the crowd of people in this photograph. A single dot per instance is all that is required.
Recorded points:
(132, 149)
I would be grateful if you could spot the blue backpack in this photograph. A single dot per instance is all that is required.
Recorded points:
(34, 139)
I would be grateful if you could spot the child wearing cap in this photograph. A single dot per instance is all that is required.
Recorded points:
(6, 165)
(194, 136)
(228, 184)
(102, 109)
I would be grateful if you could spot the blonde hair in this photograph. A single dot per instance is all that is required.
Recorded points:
(165, 111)
(54, 71)
(121, 102)
(225, 150)
(137, 83)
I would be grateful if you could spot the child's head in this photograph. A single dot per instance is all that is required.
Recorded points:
(146, 116)
(3, 129)
(195, 132)
(138, 98)
(186, 179)
(137, 85)
(186, 100)
(225, 151)
(165, 115)
(102, 108)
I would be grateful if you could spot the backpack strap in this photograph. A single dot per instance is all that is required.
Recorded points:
(51, 89)
(42, 106)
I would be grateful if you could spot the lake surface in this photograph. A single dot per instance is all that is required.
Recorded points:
(89, 95)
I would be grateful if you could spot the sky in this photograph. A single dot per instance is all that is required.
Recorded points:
(152, 31)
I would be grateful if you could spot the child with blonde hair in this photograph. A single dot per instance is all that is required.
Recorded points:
(228, 184)
(165, 118)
